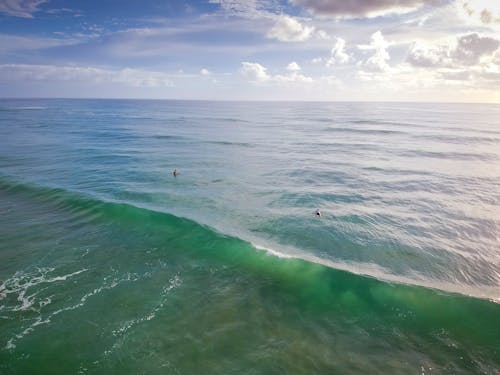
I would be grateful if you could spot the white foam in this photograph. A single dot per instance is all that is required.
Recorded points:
(63, 278)
(3, 291)
(378, 272)
(10, 345)
(174, 282)
(273, 252)
(21, 282)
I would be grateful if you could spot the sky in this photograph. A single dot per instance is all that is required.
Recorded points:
(308, 50)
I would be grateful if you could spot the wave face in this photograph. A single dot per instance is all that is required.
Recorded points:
(109, 263)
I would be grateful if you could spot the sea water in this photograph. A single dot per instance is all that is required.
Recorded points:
(111, 264)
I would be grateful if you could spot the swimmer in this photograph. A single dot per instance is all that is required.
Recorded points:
(317, 213)
(175, 173)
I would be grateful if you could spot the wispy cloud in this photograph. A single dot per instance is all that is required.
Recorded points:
(361, 8)
(248, 8)
(21, 8)
(52, 73)
(13, 43)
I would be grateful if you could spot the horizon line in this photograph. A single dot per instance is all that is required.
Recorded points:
(246, 100)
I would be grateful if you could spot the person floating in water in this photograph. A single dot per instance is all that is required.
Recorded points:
(317, 213)
(175, 173)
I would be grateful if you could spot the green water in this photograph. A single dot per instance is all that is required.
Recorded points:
(111, 265)
(101, 287)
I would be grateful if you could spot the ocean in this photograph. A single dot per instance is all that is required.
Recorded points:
(111, 264)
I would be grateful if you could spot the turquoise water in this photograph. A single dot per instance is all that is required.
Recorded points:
(110, 264)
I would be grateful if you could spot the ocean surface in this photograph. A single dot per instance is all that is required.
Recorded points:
(109, 264)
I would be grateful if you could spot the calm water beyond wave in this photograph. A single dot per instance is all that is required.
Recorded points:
(110, 264)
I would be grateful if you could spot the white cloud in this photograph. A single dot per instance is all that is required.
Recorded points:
(293, 67)
(377, 62)
(338, 54)
(288, 29)
(361, 8)
(205, 72)
(254, 72)
(20, 8)
(293, 77)
(52, 73)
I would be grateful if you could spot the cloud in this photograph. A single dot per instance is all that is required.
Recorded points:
(480, 12)
(361, 8)
(52, 73)
(424, 56)
(256, 73)
(20, 8)
(292, 77)
(205, 72)
(338, 54)
(288, 29)
(466, 50)
(247, 8)
(293, 67)
(14, 43)
(468, 61)
(470, 48)
(377, 62)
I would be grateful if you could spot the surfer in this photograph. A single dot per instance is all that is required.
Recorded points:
(317, 213)
(175, 173)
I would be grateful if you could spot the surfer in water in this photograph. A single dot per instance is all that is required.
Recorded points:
(317, 213)
(175, 172)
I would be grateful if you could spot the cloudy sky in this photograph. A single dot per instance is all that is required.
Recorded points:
(355, 50)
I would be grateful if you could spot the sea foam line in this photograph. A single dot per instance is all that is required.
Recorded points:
(39, 320)
(174, 282)
(378, 272)
(21, 282)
